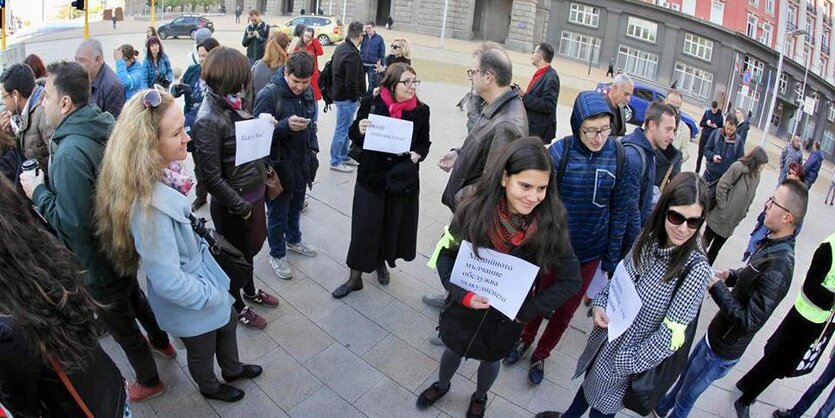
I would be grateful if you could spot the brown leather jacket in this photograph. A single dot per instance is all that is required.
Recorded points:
(214, 137)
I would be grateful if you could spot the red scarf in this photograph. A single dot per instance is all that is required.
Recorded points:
(396, 108)
(511, 230)
(536, 76)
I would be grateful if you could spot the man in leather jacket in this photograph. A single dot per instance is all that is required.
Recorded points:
(757, 290)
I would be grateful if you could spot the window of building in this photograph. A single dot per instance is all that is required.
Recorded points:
(638, 63)
(577, 46)
(641, 29)
(791, 17)
(748, 99)
(583, 14)
(831, 114)
(810, 28)
(784, 83)
(698, 47)
(688, 7)
(755, 3)
(751, 30)
(765, 37)
(694, 80)
(769, 6)
(828, 143)
(757, 67)
(717, 12)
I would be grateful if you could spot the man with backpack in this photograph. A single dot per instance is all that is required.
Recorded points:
(588, 167)
(658, 132)
(289, 99)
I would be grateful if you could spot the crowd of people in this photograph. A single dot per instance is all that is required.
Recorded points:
(95, 191)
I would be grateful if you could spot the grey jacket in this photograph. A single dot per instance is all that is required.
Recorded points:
(734, 194)
(500, 123)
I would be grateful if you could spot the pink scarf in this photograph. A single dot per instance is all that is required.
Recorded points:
(396, 108)
(174, 176)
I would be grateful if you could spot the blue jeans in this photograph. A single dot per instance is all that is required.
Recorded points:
(814, 391)
(580, 405)
(345, 111)
(283, 217)
(371, 72)
(703, 368)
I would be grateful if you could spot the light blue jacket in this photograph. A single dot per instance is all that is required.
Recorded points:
(187, 290)
(133, 77)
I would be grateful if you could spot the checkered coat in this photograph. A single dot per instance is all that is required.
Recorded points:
(609, 366)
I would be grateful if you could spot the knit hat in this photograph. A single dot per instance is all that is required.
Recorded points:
(201, 35)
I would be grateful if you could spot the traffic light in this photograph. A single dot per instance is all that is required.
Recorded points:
(78, 4)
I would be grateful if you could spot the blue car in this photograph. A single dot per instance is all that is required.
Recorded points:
(641, 98)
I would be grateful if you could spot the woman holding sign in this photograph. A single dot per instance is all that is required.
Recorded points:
(515, 211)
(666, 249)
(237, 191)
(385, 212)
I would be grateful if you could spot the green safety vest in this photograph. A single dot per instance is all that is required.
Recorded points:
(805, 306)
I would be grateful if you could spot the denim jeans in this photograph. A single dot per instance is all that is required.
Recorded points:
(814, 391)
(703, 368)
(283, 214)
(371, 72)
(345, 111)
(580, 405)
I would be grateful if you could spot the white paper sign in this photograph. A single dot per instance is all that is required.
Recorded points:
(623, 304)
(504, 279)
(598, 282)
(253, 138)
(809, 105)
(390, 135)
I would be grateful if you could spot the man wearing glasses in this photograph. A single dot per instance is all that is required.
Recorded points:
(541, 96)
(588, 167)
(757, 290)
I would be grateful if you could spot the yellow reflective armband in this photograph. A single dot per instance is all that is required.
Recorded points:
(445, 242)
(677, 330)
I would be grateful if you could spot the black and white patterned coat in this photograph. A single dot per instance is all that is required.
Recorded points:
(647, 341)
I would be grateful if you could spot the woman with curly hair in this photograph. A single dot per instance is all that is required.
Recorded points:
(143, 216)
(47, 329)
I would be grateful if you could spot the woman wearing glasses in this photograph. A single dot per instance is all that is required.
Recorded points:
(671, 275)
(143, 212)
(401, 52)
(385, 221)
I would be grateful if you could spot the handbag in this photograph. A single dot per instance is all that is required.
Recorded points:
(402, 178)
(273, 183)
(230, 259)
(647, 388)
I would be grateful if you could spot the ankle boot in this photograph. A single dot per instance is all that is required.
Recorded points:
(354, 283)
(383, 274)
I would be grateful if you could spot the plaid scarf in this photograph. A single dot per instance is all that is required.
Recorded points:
(512, 230)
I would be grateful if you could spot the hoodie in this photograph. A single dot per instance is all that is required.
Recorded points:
(596, 207)
(66, 200)
(638, 188)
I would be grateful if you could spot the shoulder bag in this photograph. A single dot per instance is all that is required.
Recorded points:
(227, 256)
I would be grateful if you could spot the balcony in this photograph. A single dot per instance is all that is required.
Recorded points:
(790, 26)
(825, 50)
(827, 20)
(810, 8)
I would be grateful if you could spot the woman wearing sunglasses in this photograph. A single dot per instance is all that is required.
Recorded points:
(667, 248)
(143, 220)
(385, 222)
(401, 52)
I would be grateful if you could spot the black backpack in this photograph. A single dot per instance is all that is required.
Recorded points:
(326, 84)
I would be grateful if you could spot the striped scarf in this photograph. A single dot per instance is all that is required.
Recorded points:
(511, 230)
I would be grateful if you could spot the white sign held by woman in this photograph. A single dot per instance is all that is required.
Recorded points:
(390, 135)
(624, 302)
(253, 139)
(503, 279)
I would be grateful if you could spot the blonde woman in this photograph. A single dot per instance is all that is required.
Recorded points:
(275, 55)
(142, 210)
(399, 51)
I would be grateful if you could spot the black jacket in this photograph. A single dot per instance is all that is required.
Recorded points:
(374, 165)
(717, 118)
(214, 132)
(757, 290)
(541, 106)
(619, 121)
(292, 153)
(664, 159)
(348, 73)
(498, 333)
(256, 45)
(30, 388)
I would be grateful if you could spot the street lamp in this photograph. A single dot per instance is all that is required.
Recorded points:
(806, 64)
(796, 32)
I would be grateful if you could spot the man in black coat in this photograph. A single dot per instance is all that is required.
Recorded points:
(711, 121)
(288, 97)
(758, 289)
(255, 36)
(541, 96)
(348, 88)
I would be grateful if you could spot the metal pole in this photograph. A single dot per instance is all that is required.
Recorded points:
(767, 86)
(591, 53)
(344, 10)
(774, 92)
(731, 82)
(3, 34)
(330, 9)
(802, 98)
(153, 13)
(443, 22)
(86, 19)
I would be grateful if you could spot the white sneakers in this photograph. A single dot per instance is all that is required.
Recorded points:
(281, 268)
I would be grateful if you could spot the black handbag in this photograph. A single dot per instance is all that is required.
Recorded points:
(227, 256)
(647, 388)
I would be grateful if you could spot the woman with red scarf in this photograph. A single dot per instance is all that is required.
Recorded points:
(385, 212)
(515, 210)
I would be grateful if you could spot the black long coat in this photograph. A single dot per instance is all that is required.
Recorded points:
(384, 223)
(541, 106)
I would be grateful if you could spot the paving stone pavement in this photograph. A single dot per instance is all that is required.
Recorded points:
(368, 355)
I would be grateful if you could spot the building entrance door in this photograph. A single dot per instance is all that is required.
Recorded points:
(491, 20)
(383, 12)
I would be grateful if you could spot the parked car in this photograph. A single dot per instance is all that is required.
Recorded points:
(185, 25)
(641, 98)
(327, 29)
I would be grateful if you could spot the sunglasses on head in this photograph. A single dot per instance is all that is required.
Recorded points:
(153, 97)
(677, 219)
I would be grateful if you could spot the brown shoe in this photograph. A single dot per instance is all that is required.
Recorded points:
(477, 407)
(249, 318)
(262, 298)
(429, 396)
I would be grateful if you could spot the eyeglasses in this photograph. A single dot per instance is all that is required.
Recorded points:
(471, 72)
(410, 83)
(395, 47)
(677, 219)
(592, 133)
(771, 201)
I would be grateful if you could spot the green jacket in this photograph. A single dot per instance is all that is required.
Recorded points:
(66, 200)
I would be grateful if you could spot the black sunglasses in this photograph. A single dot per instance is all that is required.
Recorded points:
(677, 219)
(395, 47)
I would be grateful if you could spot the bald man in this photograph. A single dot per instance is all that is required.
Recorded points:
(106, 90)
(617, 97)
